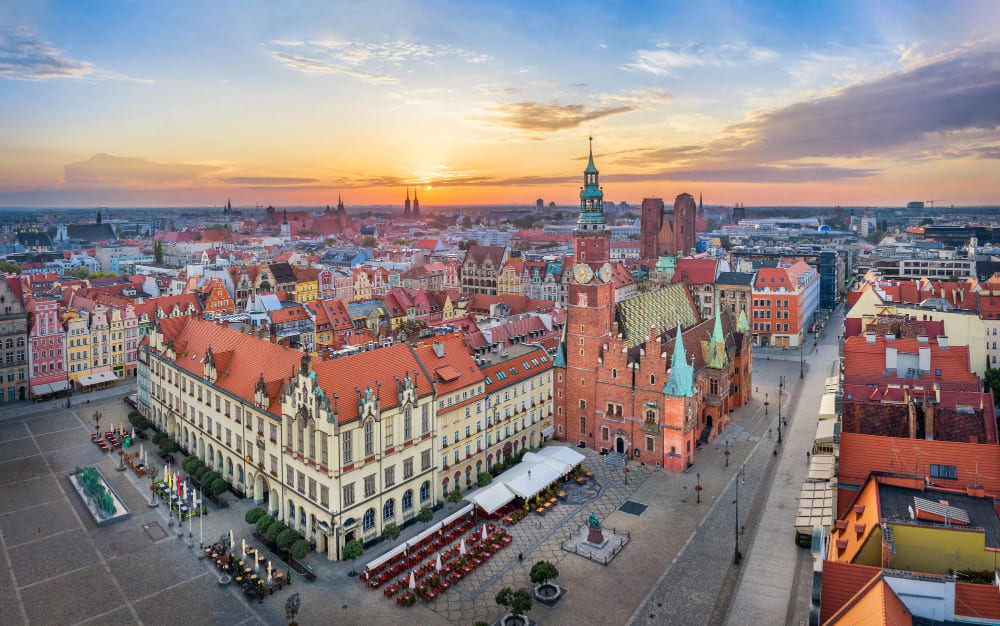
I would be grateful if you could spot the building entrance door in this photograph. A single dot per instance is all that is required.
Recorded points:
(620, 445)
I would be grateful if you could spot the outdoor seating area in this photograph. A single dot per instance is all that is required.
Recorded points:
(254, 579)
(435, 563)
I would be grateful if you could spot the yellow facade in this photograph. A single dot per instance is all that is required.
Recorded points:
(77, 348)
(306, 291)
(509, 281)
(362, 287)
(935, 550)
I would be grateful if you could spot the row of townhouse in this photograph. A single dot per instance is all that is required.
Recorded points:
(339, 448)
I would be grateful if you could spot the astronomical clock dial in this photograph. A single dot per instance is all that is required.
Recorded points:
(605, 272)
(583, 273)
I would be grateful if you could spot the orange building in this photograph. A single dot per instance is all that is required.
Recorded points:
(217, 299)
(784, 301)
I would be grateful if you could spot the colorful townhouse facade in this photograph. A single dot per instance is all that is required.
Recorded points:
(785, 299)
(47, 355)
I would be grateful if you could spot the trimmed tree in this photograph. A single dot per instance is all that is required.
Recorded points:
(219, 486)
(158, 437)
(190, 464)
(287, 538)
(518, 602)
(455, 496)
(390, 532)
(263, 523)
(300, 549)
(254, 514)
(170, 446)
(200, 472)
(425, 515)
(208, 478)
(483, 479)
(542, 572)
(274, 530)
(353, 550)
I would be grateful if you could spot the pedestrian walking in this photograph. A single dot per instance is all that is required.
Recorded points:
(807, 456)
(768, 433)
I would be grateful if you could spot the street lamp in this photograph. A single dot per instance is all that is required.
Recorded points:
(737, 556)
(802, 373)
(97, 421)
(292, 605)
(781, 387)
(697, 488)
(765, 403)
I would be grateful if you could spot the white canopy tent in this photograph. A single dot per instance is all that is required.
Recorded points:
(377, 561)
(527, 479)
(564, 454)
(492, 497)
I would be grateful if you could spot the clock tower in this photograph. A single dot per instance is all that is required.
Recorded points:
(591, 237)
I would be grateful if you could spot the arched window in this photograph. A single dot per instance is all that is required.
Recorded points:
(211, 455)
(389, 509)
(229, 467)
(219, 456)
(291, 513)
(302, 519)
(425, 491)
(240, 470)
(368, 522)
(407, 500)
(369, 438)
(652, 379)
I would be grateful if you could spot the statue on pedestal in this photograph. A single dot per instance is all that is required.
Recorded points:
(594, 534)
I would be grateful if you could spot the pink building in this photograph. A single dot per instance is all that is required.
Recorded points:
(47, 355)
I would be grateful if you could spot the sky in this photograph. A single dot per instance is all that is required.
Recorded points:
(183, 103)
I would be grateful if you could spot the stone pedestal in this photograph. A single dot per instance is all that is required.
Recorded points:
(595, 536)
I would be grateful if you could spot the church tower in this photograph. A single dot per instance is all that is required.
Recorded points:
(286, 230)
(591, 237)
(416, 204)
(406, 207)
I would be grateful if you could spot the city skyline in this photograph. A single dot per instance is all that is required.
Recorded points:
(773, 104)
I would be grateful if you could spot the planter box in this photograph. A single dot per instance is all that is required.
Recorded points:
(547, 600)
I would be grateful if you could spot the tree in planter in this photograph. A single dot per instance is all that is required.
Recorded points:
(287, 538)
(170, 446)
(300, 549)
(542, 572)
(190, 464)
(425, 515)
(200, 472)
(263, 523)
(195, 467)
(158, 437)
(483, 479)
(218, 486)
(208, 478)
(390, 532)
(455, 496)
(254, 514)
(274, 530)
(352, 551)
(518, 602)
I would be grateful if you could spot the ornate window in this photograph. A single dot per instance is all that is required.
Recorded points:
(408, 500)
(425, 491)
(389, 509)
(368, 522)
(369, 438)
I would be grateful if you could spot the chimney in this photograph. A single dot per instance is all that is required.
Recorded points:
(870, 337)
(924, 359)
(943, 341)
(890, 358)
(921, 338)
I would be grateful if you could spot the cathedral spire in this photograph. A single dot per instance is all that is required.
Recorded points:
(717, 346)
(406, 207)
(681, 381)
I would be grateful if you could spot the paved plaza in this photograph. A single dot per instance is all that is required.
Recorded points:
(60, 568)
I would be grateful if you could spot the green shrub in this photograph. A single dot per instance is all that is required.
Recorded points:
(300, 549)
(254, 514)
(158, 437)
(274, 530)
(208, 478)
(264, 523)
(191, 463)
(287, 538)
(170, 446)
(200, 472)
(483, 479)
(218, 486)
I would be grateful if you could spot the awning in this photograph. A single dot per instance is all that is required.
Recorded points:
(492, 497)
(530, 478)
(377, 561)
(556, 464)
(41, 390)
(562, 453)
(95, 379)
(548, 430)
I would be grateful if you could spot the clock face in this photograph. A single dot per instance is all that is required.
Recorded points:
(605, 272)
(583, 273)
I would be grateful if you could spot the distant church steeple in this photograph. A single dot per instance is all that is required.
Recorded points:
(98, 216)
(406, 207)
(416, 204)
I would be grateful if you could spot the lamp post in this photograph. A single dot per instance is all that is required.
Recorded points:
(737, 556)
(781, 387)
(151, 471)
(765, 403)
(697, 487)
(802, 363)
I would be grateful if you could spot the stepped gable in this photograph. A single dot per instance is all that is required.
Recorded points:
(660, 309)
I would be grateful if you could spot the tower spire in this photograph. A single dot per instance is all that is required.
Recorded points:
(681, 381)
(717, 346)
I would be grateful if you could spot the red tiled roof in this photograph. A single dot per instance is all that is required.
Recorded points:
(868, 359)
(695, 271)
(252, 358)
(520, 373)
(841, 582)
(974, 462)
(977, 601)
(456, 369)
(294, 313)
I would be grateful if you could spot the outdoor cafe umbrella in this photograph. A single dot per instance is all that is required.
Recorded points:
(484, 532)
(437, 565)
(461, 548)
(413, 581)
(230, 538)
